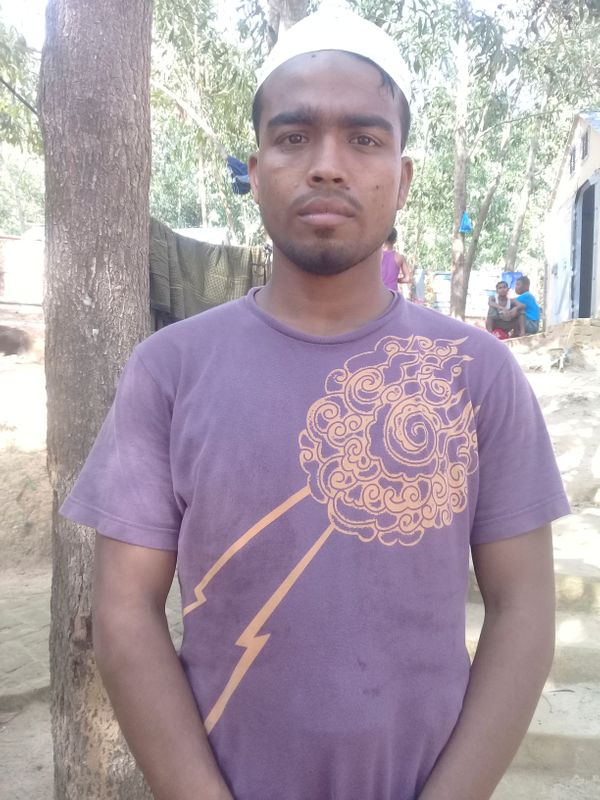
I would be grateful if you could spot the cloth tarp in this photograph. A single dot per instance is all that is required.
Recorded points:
(187, 276)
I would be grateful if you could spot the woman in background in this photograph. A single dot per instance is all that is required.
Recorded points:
(394, 267)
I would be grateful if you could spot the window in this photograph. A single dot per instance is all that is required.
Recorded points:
(572, 159)
(585, 144)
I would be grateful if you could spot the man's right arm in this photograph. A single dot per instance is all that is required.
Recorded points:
(147, 686)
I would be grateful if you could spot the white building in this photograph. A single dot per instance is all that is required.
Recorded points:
(571, 235)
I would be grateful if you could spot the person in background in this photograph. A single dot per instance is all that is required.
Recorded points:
(502, 312)
(529, 310)
(394, 269)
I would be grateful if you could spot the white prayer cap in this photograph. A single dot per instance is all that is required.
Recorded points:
(339, 29)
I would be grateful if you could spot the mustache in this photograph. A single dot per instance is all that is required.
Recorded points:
(336, 194)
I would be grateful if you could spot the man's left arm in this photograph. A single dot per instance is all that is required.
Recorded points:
(510, 667)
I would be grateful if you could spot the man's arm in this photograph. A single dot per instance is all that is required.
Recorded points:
(151, 696)
(512, 662)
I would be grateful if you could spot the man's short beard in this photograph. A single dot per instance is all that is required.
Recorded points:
(322, 259)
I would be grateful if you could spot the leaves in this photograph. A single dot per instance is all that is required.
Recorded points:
(19, 69)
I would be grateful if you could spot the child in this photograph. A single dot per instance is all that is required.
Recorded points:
(529, 310)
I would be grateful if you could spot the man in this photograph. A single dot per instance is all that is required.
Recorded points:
(529, 317)
(502, 311)
(318, 458)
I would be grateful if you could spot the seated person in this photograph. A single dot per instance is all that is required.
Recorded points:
(529, 310)
(503, 312)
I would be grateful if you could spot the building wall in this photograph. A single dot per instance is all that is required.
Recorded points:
(560, 231)
(584, 169)
(21, 270)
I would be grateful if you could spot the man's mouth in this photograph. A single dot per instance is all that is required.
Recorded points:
(325, 212)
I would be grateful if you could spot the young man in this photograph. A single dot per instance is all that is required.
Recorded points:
(529, 317)
(318, 458)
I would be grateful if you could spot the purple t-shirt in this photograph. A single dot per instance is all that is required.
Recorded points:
(322, 494)
(389, 270)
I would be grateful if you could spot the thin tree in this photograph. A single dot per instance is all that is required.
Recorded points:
(94, 98)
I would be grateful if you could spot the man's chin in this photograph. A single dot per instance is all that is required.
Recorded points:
(322, 260)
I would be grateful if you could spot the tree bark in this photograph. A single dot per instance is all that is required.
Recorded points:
(487, 202)
(282, 14)
(512, 249)
(459, 282)
(95, 113)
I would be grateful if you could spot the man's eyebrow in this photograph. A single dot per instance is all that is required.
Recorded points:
(367, 121)
(299, 116)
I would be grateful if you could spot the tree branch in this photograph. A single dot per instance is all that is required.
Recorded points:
(193, 115)
(19, 97)
(511, 120)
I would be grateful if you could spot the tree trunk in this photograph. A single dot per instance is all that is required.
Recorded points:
(418, 226)
(487, 202)
(282, 14)
(94, 95)
(510, 259)
(459, 283)
(202, 189)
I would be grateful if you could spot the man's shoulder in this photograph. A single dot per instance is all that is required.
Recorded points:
(474, 341)
(213, 320)
(193, 336)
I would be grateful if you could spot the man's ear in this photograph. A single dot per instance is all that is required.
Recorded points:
(405, 181)
(252, 174)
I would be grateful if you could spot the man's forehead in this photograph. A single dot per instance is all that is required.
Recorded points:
(325, 78)
(336, 63)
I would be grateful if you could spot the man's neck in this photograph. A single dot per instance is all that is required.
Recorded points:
(325, 305)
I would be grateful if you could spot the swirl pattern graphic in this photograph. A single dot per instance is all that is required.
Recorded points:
(390, 446)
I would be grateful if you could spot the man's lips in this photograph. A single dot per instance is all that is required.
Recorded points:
(325, 212)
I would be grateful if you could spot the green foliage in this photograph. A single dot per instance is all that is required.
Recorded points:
(202, 94)
(21, 165)
(19, 70)
(21, 190)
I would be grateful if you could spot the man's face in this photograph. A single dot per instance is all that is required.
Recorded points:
(502, 289)
(520, 287)
(329, 175)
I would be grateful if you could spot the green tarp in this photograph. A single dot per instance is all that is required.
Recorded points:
(187, 276)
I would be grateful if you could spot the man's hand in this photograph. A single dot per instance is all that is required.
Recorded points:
(143, 676)
(512, 662)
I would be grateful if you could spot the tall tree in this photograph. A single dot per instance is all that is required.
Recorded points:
(460, 277)
(96, 130)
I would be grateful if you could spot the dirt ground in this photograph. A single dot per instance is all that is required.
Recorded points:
(570, 400)
(25, 497)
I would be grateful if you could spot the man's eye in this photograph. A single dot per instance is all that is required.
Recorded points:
(364, 140)
(294, 138)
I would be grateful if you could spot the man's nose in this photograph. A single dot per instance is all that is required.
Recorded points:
(327, 166)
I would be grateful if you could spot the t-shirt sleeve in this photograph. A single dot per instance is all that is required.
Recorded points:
(520, 487)
(125, 489)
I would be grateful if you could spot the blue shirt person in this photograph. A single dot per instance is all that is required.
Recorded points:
(530, 318)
